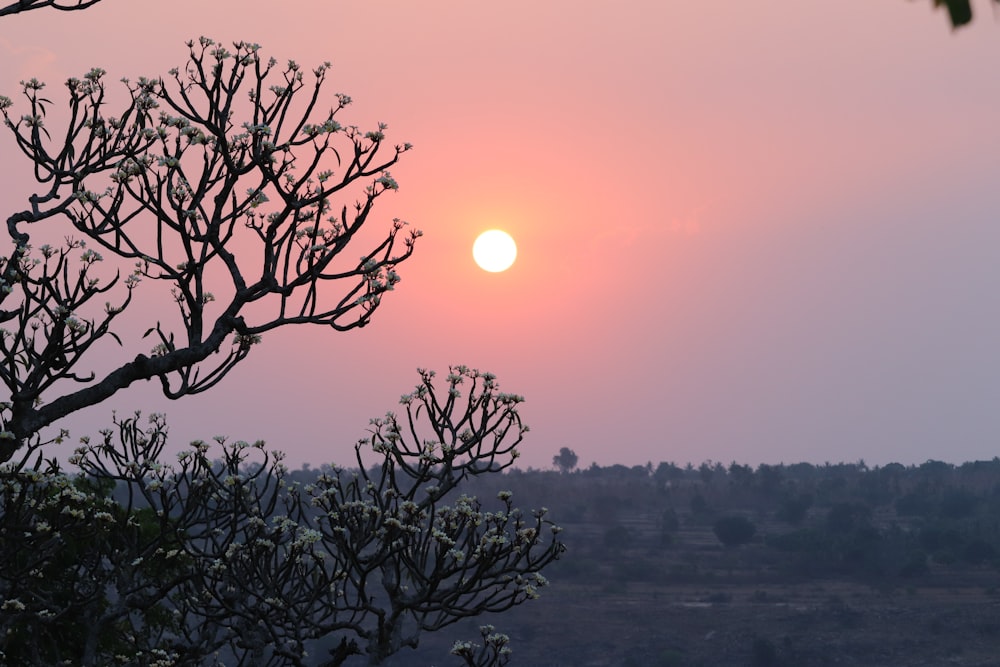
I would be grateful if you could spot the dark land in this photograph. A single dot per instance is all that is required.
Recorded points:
(846, 565)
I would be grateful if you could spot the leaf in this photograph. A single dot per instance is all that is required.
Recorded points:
(960, 11)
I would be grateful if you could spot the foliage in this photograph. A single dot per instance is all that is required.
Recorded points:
(959, 11)
(795, 507)
(733, 531)
(64, 547)
(493, 652)
(202, 558)
(226, 152)
(845, 517)
(763, 652)
(565, 460)
(139, 561)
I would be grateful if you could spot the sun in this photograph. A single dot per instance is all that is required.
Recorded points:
(494, 251)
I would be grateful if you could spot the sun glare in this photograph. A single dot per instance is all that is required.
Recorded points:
(494, 251)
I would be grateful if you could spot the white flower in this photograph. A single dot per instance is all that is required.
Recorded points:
(387, 181)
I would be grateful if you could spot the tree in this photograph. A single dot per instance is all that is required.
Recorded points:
(848, 516)
(733, 531)
(666, 472)
(794, 507)
(204, 558)
(140, 561)
(224, 152)
(565, 460)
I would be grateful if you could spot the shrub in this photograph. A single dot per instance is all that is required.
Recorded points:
(733, 531)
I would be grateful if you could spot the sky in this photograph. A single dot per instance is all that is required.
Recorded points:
(752, 232)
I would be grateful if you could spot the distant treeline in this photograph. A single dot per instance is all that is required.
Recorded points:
(893, 524)
(932, 524)
(651, 529)
(738, 527)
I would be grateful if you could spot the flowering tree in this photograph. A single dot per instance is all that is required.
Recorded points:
(173, 184)
(199, 558)
(219, 182)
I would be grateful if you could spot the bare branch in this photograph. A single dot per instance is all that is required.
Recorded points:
(27, 5)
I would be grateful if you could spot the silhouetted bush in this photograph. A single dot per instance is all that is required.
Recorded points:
(937, 538)
(763, 652)
(916, 503)
(978, 551)
(671, 657)
(915, 565)
(698, 504)
(669, 521)
(795, 508)
(844, 517)
(734, 530)
(958, 503)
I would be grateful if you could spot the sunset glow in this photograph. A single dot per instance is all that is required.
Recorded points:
(761, 233)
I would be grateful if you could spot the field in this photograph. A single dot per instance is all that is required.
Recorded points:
(826, 624)
(696, 603)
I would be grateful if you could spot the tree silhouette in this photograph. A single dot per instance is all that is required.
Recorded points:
(203, 558)
(565, 460)
(224, 184)
(226, 153)
(733, 531)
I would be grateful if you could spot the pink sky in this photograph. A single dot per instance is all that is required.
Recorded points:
(757, 231)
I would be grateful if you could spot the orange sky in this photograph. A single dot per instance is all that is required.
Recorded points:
(754, 231)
